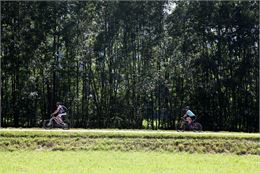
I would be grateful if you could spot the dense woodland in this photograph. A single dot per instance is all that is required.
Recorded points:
(119, 64)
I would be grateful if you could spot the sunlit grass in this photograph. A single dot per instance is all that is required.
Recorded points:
(123, 133)
(125, 162)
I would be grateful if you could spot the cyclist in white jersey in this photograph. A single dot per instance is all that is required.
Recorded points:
(59, 112)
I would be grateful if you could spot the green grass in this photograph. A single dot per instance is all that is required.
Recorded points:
(124, 162)
(127, 133)
(113, 151)
(116, 140)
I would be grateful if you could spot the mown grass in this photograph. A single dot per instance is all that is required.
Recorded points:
(125, 162)
(126, 133)
(236, 143)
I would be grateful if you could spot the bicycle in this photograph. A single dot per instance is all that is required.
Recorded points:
(55, 124)
(184, 126)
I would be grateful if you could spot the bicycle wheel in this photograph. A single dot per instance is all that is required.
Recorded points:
(65, 126)
(197, 127)
(46, 124)
(182, 126)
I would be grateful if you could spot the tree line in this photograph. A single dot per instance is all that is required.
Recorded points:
(134, 65)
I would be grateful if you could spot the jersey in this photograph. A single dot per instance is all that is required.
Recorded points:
(190, 114)
(62, 110)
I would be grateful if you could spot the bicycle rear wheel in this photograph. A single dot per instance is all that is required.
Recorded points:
(197, 127)
(46, 124)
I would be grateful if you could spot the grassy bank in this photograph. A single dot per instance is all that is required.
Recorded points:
(125, 162)
(123, 133)
(116, 140)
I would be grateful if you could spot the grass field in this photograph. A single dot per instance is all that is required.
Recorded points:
(123, 151)
(124, 162)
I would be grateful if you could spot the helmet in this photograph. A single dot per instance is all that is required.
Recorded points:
(187, 107)
(58, 103)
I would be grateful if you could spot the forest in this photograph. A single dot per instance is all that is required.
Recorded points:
(134, 65)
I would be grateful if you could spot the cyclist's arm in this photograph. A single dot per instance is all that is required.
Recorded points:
(55, 112)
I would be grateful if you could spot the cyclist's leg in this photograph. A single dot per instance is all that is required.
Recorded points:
(50, 122)
(189, 120)
(193, 119)
(59, 119)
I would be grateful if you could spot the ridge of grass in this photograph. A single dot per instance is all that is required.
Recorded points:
(131, 134)
(129, 141)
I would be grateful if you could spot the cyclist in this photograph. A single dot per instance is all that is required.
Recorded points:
(59, 112)
(188, 115)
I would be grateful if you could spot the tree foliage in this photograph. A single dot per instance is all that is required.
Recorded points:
(131, 64)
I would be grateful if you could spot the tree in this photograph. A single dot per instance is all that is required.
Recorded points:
(131, 64)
